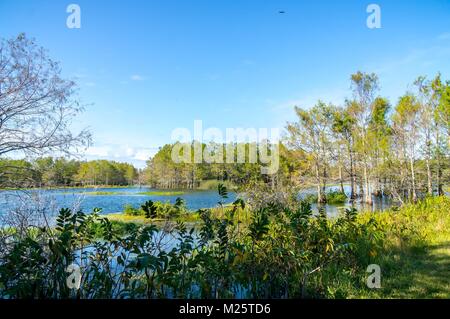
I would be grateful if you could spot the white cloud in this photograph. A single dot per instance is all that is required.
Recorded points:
(143, 154)
(137, 77)
(101, 151)
(121, 153)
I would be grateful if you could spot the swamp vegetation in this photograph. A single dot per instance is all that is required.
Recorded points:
(277, 251)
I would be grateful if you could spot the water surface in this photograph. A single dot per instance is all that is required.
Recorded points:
(87, 199)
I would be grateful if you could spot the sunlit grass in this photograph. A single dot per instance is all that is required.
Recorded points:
(162, 193)
(415, 260)
(104, 193)
(140, 219)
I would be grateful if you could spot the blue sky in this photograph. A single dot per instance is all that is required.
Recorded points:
(147, 67)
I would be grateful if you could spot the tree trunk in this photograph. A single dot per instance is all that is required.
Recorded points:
(413, 180)
(352, 177)
(429, 177)
(427, 161)
(439, 177)
(439, 166)
(319, 186)
(341, 182)
(367, 193)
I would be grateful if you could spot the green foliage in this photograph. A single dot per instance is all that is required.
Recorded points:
(213, 184)
(332, 197)
(103, 172)
(163, 172)
(130, 210)
(336, 197)
(151, 209)
(222, 190)
(259, 225)
(280, 253)
(54, 172)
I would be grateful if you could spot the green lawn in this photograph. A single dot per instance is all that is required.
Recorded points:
(420, 274)
(412, 267)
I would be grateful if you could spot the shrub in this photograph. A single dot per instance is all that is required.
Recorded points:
(151, 209)
(130, 210)
(336, 197)
(280, 252)
(332, 197)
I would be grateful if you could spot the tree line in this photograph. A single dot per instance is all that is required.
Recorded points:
(54, 172)
(163, 172)
(376, 147)
(379, 148)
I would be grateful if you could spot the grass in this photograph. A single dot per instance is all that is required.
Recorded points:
(140, 219)
(241, 215)
(333, 198)
(162, 193)
(102, 193)
(415, 259)
(419, 274)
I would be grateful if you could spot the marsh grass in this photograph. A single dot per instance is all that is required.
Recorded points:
(415, 254)
(162, 193)
(213, 184)
(104, 193)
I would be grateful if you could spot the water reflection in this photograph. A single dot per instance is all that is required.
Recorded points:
(379, 203)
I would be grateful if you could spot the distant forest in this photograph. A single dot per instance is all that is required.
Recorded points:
(379, 148)
(57, 172)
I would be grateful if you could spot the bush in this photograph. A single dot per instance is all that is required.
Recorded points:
(280, 252)
(336, 197)
(161, 210)
(332, 197)
(130, 210)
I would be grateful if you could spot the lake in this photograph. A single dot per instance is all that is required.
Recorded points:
(87, 199)
(113, 200)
